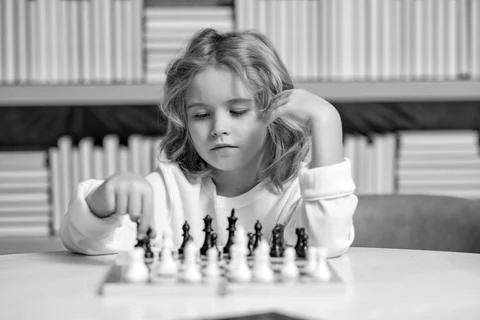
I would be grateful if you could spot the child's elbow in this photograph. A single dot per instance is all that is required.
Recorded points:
(340, 246)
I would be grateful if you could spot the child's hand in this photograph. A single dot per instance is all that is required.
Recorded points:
(300, 105)
(321, 117)
(125, 193)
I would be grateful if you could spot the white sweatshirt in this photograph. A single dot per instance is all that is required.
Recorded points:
(319, 199)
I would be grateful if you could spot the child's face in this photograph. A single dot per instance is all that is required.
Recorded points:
(223, 120)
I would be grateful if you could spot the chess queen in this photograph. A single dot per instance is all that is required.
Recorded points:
(238, 135)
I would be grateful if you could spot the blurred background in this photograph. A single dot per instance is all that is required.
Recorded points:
(80, 81)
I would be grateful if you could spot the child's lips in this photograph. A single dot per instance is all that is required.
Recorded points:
(223, 146)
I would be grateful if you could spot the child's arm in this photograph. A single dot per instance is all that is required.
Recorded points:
(327, 202)
(321, 117)
(98, 220)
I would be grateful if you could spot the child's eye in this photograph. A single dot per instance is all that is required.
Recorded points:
(238, 112)
(200, 115)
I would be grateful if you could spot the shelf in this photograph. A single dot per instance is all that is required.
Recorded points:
(150, 94)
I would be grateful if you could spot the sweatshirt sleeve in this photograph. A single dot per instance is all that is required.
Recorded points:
(326, 207)
(83, 232)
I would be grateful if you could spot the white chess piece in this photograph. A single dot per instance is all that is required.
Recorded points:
(322, 272)
(137, 271)
(239, 271)
(311, 261)
(289, 269)
(167, 265)
(212, 270)
(191, 270)
(262, 270)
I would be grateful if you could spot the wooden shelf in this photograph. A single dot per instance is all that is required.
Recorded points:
(77, 95)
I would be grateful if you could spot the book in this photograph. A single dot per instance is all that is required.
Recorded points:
(56, 201)
(86, 31)
(9, 36)
(474, 51)
(85, 149)
(110, 146)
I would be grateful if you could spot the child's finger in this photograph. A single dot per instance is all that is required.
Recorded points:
(134, 206)
(121, 200)
(147, 219)
(110, 199)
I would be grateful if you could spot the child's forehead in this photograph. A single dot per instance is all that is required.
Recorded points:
(215, 85)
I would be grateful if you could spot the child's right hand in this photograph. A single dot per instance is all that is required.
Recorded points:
(125, 193)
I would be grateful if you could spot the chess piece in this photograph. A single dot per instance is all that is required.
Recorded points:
(239, 270)
(277, 242)
(311, 261)
(289, 269)
(186, 237)
(137, 271)
(212, 270)
(213, 240)
(207, 243)
(258, 235)
(262, 271)
(232, 220)
(167, 266)
(322, 273)
(251, 242)
(302, 243)
(191, 270)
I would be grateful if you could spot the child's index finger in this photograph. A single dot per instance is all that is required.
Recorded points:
(147, 221)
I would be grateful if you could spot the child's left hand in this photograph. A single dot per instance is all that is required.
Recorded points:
(302, 106)
(321, 117)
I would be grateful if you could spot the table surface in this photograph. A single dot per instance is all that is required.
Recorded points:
(380, 284)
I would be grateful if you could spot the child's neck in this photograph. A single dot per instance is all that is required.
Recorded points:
(233, 183)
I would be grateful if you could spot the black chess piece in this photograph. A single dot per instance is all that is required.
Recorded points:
(186, 237)
(232, 220)
(207, 243)
(213, 239)
(258, 235)
(142, 242)
(281, 239)
(276, 247)
(251, 241)
(300, 246)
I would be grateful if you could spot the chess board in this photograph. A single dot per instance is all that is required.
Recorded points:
(114, 284)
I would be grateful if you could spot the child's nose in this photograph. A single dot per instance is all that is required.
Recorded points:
(220, 125)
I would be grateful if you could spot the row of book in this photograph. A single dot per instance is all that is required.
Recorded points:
(370, 40)
(70, 164)
(24, 194)
(168, 28)
(127, 41)
(439, 162)
(71, 41)
(36, 186)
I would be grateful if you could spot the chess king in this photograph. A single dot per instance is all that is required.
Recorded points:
(237, 136)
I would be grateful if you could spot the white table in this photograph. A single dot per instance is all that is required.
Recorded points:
(380, 284)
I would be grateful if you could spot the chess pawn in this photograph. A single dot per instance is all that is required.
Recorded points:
(289, 269)
(239, 270)
(212, 270)
(137, 271)
(251, 241)
(258, 235)
(262, 270)
(167, 266)
(322, 272)
(311, 260)
(191, 270)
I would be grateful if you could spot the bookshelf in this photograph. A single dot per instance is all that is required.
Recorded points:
(143, 94)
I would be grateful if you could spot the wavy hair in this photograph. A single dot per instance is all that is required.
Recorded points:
(252, 57)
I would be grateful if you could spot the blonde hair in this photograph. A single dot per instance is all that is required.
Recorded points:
(252, 57)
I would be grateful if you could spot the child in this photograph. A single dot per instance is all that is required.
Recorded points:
(238, 133)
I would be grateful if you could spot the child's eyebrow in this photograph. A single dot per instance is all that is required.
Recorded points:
(228, 102)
